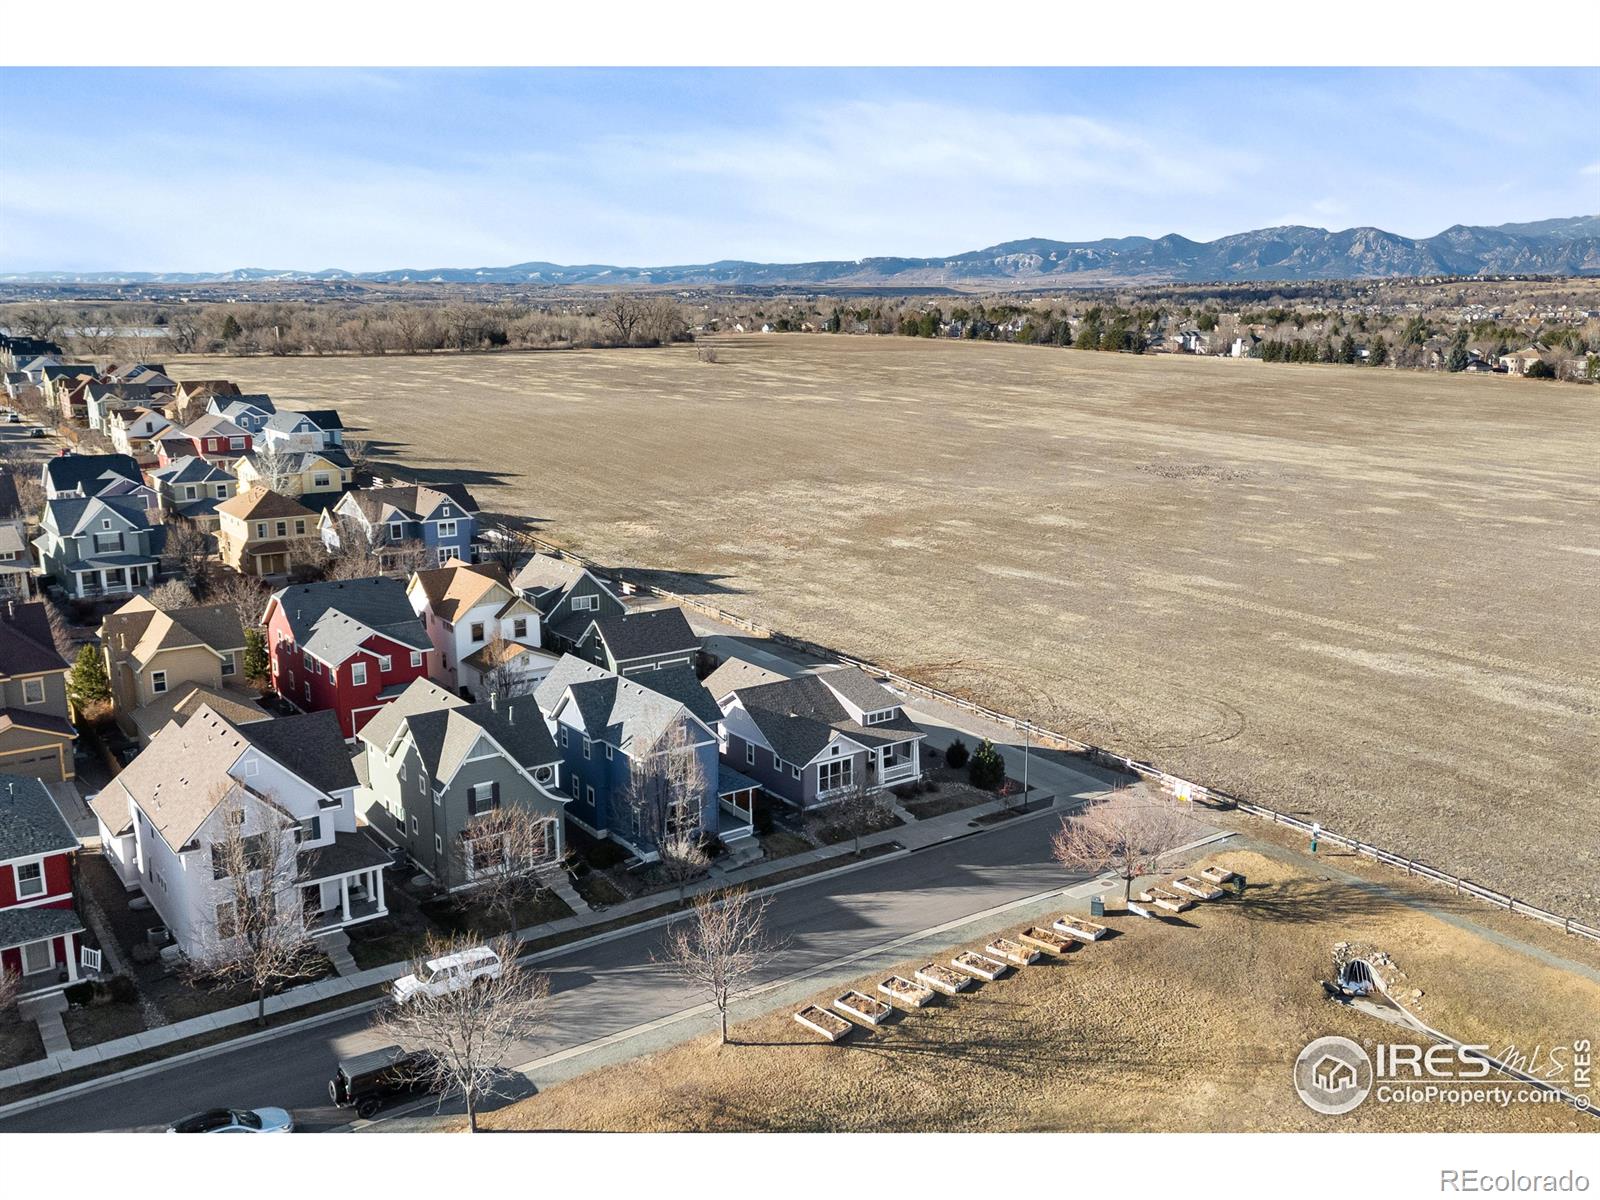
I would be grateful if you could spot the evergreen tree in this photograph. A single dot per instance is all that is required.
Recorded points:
(987, 768)
(256, 664)
(1347, 349)
(230, 329)
(1380, 353)
(89, 683)
(1458, 358)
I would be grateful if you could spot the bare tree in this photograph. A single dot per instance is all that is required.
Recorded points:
(245, 593)
(10, 988)
(865, 808)
(502, 676)
(359, 452)
(501, 549)
(43, 321)
(171, 595)
(623, 314)
(187, 553)
(274, 467)
(666, 786)
(468, 1033)
(506, 855)
(720, 946)
(1126, 833)
(258, 937)
(363, 552)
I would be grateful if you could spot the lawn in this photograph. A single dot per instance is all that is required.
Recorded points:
(1359, 594)
(1187, 1025)
(19, 1041)
(102, 1023)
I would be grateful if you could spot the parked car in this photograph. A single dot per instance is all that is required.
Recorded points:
(441, 976)
(13, 419)
(36, 432)
(236, 1120)
(367, 1081)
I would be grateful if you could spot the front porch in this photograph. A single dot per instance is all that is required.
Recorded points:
(897, 762)
(93, 578)
(736, 799)
(41, 946)
(342, 884)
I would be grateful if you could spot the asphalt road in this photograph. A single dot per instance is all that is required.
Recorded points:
(600, 990)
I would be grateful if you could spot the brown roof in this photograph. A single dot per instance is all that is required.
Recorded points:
(261, 502)
(207, 387)
(184, 701)
(141, 630)
(457, 587)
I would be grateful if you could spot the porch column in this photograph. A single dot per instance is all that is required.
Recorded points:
(375, 890)
(344, 898)
(72, 959)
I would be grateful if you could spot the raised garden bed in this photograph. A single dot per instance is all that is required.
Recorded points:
(1140, 910)
(860, 1005)
(819, 1020)
(897, 987)
(1165, 898)
(1011, 952)
(1217, 874)
(1197, 887)
(977, 964)
(943, 979)
(1044, 939)
(1077, 927)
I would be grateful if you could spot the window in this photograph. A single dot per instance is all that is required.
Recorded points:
(236, 443)
(228, 665)
(310, 828)
(358, 674)
(447, 529)
(832, 775)
(476, 632)
(482, 797)
(107, 542)
(416, 658)
(234, 816)
(190, 492)
(252, 768)
(588, 793)
(444, 510)
(283, 528)
(795, 771)
(519, 627)
(749, 754)
(396, 531)
(777, 763)
(609, 754)
(309, 663)
(226, 926)
(308, 691)
(385, 664)
(320, 482)
(261, 529)
(438, 846)
(158, 682)
(30, 879)
(585, 603)
(300, 525)
(413, 825)
(586, 744)
(402, 771)
(563, 737)
(33, 691)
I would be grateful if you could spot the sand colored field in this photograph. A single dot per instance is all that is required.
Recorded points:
(1364, 595)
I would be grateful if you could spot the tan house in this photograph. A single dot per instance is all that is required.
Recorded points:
(261, 532)
(314, 478)
(165, 665)
(36, 735)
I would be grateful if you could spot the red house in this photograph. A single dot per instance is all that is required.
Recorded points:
(39, 927)
(349, 645)
(216, 439)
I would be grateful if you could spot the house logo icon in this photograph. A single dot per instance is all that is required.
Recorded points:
(1333, 1075)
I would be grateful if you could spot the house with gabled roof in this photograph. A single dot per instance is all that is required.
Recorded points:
(216, 439)
(99, 546)
(442, 519)
(36, 732)
(631, 642)
(568, 595)
(317, 478)
(814, 738)
(40, 929)
(432, 764)
(86, 474)
(249, 412)
(17, 579)
(485, 635)
(159, 661)
(191, 488)
(102, 399)
(133, 431)
(350, 645)
(319, 429)
(264, 534)
(166, 818)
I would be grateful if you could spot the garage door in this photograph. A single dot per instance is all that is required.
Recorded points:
(45, 764)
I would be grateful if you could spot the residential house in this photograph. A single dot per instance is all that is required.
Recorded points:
(195, 394)
(248, 412)
(431, 763)
(36, 735)
(166, 819)
(568, 595)
(262, 533)
(16, 561)
(442, 520)
(73, 402)
(103, 399)
(317, 430)
(85, 475)
(133, 431)
(485, 635)
(811, 739)
(609, 728)
(217, 439)
(317, 478)
(39, 925)
(151, 375)
(1518, 361)
(164, 664)
(631, 642)
(192, 488)
(350, 645)
(99, 546)
(55, 380)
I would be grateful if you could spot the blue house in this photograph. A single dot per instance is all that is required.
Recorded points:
(624, 746)
(442, 519)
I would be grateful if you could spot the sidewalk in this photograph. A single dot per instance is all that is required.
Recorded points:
(906, 838)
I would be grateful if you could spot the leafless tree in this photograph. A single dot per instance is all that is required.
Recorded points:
(359, 452)
(662, 320)
(666, 786)
(245, 593)
(39, 321)
(501, 549)
(183, 331)
(363, 553)
(274, 467)
(10, 988)
(623, 314)
(171, 595)
(865, 808)
(1127, 833)
(259, 937)
(720, 946)
(187, 553)
(468, 1033)
(502, 676)
(507, 854)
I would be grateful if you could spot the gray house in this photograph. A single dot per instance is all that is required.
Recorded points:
(429, 763)
(568, 596)
(631, 642)
(98, 547)
(812, 739)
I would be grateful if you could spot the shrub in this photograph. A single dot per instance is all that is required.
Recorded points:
(122, 990)
(930, 785)
(988, 767)
(1539, 369)
(905, 791)
(957, 754)
(79, 995)
(762, 816)
(710, 844)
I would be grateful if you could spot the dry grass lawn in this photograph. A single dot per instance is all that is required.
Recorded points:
(1364, 595)
(1162, 1027)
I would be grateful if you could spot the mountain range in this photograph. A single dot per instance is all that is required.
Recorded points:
(1561, 246)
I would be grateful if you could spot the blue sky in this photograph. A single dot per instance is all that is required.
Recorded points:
(368, 169)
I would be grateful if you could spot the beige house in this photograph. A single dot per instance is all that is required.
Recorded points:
(318, 479)
(165, 665)
(261, 532)
(36, 735)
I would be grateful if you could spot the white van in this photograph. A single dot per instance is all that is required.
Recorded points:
(440, 976)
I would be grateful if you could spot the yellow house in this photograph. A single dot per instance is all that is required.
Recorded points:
(163, 665)
(261, 532)
(306, 474)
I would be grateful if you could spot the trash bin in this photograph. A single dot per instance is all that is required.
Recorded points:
(1238, 884)
(1097, 906)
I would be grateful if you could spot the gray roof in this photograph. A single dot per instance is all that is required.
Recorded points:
(190, 469)
(800, 716)
(735, 673)
(569, 669)
(284, 422)
(730, 781)
(856, 686)
(72, 472)
(680, 683)
(309, 744)
(649, 634)
(19, 926)
(30, 822)
(446, 728)
(348, 852)
(333, 619)
(545, 572)
(74, 514)
(622, 711)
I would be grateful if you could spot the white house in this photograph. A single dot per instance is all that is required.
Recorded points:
(486, 634)
(200, 779)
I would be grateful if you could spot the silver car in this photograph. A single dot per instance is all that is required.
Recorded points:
(236, 1120)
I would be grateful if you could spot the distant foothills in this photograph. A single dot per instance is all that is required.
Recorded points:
(1562, 246)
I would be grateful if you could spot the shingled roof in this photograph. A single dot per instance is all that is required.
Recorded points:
(446, 728)
(457, 587)
(800, 716)
(141, 630)
(332, 619)
(649, 634)
(83, 472)
(30, 822)
(26, 645)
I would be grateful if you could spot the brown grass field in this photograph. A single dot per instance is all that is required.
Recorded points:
(1162, 1027)
(1367, 596)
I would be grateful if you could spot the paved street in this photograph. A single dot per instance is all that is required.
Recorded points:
(603, 989)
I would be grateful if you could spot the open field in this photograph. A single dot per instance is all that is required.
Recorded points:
(1368, 596)
(1183, 1026)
